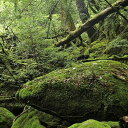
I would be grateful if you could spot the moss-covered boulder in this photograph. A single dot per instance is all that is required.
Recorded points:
(29, 119)
(32, 118)
(95, 124)
(96, 89)
(6, 118)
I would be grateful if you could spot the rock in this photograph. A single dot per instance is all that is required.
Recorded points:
(6, 118)
(95, 124)
(96, 89)
(29, 119)
(32, 118)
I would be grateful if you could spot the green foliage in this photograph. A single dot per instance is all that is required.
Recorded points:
(117, 47)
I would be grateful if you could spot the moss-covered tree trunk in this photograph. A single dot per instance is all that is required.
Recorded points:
(66, 17)
(84, 16)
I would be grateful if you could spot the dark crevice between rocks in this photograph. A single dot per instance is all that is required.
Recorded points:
(17, 111)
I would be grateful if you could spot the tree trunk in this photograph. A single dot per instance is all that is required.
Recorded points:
(84, 16)
(99, 17)
(66, 17)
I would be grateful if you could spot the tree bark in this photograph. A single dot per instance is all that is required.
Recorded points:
(84, 16)
(66, 17)
(86, 26)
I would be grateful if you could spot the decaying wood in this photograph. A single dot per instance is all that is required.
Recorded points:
(91, 22)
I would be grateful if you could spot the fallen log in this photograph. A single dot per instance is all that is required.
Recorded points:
(91, 22)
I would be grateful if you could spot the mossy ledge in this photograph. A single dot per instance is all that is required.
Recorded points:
(91, 90)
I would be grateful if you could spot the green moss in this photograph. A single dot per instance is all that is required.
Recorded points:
(113, 124)
(29, 119)
(33, 119)
(97, 49)
(104, 49)
(6, 118)
(77, 90)
(123, 59)
(117, 47)
(90, 124)
(85, 69)
(96, 124)
(98, 45)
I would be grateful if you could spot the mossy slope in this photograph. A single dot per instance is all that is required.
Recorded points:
(6, 118)
(99, 87)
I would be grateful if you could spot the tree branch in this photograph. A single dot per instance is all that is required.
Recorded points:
(117, 11)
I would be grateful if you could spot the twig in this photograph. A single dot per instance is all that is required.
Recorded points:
(24, 111)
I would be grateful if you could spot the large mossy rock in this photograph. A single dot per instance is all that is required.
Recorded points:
(96, 89)
(6, 118)
(95, 124)
(32, 118)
